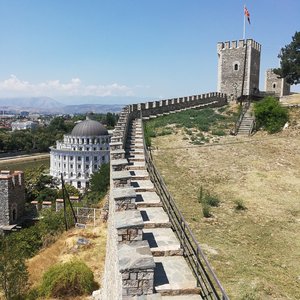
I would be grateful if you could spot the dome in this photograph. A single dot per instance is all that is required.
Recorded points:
(89, 128)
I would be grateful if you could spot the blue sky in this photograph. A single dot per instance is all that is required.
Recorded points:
(76, 49)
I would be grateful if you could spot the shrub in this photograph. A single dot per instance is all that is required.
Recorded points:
(240, 205)
(270, 115)
(69, 279)
(211, 200)
(206, 210)
(218, 132)
(200, 194)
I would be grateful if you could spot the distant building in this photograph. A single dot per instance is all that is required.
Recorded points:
(238, 62)
(276, 85)
(18, 125)
(81, 153)
(12, 198)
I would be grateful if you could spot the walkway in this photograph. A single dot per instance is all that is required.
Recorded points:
(173, 278)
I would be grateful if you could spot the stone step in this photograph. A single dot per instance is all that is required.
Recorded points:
(147, 199)
(154, 217)
(143, 186)
(139, 175)
(162, 241)
(136, 158)
(136, 165)
(173, 277)
(182, 297)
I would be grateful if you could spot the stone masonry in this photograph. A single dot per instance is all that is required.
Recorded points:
(12, 197)
(276, 85)
(129, 264)
(232, 57)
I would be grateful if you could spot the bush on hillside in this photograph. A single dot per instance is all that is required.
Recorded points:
(270, 115)
(73, 278)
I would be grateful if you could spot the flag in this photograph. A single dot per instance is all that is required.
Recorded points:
(247, 14)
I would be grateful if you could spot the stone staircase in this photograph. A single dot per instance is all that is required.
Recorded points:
(173, 278)
(247, 123)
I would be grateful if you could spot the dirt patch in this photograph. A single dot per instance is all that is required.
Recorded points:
(67, 248)
(255, 252)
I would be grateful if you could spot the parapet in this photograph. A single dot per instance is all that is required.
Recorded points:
(14, 176)
(238, 44)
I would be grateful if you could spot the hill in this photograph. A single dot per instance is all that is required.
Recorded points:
(254, 251)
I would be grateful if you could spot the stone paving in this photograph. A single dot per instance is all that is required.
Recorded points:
(173, 278)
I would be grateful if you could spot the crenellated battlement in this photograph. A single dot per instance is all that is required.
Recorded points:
(14, 178)
(238, 44)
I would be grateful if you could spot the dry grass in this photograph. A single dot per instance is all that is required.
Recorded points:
(255, 252)
(291, 99)
(66, 248)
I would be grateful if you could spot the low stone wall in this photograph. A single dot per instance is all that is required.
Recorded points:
(129, 264)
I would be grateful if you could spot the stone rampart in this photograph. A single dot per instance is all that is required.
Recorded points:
(129, 264)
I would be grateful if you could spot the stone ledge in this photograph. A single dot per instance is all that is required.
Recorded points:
(136, 255)
(122, 193)
(116, 175)
(128, 219)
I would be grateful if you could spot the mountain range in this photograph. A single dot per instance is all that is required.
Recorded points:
(51, 106)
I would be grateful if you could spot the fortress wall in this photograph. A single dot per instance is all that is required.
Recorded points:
(122, 278)
(164, 106)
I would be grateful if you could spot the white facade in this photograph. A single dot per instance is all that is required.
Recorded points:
(23, 125)
(80, 153)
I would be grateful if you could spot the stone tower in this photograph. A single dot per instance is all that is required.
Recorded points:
(12, 197)
(238, 60)
(276, 85)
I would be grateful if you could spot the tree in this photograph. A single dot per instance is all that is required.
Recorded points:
(290, 61)
(13, 271)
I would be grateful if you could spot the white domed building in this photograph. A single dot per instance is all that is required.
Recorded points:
(80, 154)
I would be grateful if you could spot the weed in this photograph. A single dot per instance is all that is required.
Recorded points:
(206, 211)
(240, 205)
(218, 132)
(211, 200)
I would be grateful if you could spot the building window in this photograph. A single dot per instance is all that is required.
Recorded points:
(236, 67)
(86, 166)
(79, 174)
(87, 149)
(79, 166)
(71, 157)
(80, 148)
(87, 184)
(79, 158)
(87, 141)
(71, 174)
(103, 158)
(274, 85)
(64, 157)
(95, 158)
(64, 166)
(71, 166)
(78, 184)
(87, 158)
(94, 149)
(95, 167)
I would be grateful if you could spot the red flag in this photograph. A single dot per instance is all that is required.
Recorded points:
(247, 14)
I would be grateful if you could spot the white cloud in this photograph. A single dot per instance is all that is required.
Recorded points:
(15, 87)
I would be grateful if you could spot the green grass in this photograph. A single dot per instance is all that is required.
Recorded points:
(21, 166)
(214, 121)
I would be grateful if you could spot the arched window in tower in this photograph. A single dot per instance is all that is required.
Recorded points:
(236, 67)
(274, 85)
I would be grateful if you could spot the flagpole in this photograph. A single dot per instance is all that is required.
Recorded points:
(244, 31)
